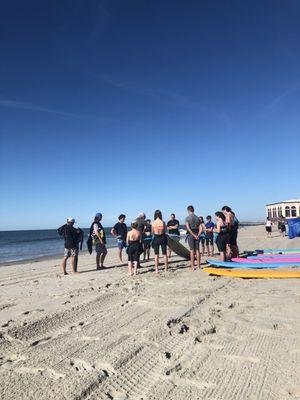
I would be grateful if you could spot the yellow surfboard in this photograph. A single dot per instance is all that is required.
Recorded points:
(254, 273)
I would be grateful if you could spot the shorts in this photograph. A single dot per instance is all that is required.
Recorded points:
(100, 249)
(160, 241)
(268, 228)
(209, 240)
(71, 252)
(147, 244)
(202, 240)
(222, 242)
(193, 243)
(283, 229)
(134, 251)
(121, 244)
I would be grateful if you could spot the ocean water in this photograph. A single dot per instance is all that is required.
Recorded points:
(27, 245)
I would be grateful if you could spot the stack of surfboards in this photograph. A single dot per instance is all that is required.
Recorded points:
(270, 264)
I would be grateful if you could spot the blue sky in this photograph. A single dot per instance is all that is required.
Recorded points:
(118, 106)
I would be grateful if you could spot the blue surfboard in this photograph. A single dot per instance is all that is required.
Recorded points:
(230, 264)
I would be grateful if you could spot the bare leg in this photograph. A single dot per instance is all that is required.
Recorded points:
(135, 264)
(198, 257)
(103, 255)
(148, 254)
(212, 250)
(166, 262)
(169, 251)
(130, 268)
(120, 255)
(64, 265)
(192, 254)
(222, 256)
(156, 263)
(98, 261)
(74, 264)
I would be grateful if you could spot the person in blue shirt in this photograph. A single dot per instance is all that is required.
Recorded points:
(209, 236)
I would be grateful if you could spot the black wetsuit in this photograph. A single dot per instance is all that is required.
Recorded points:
(134, 250)
(222, 239)
(160, 241)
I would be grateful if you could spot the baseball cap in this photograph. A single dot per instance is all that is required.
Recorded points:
(71, 220)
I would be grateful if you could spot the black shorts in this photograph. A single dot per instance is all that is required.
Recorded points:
(222, 242)
(147, 244)
(209, 240)
(134, 251)
(268, 228)
(160, 241)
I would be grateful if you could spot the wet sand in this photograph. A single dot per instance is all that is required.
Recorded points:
(179, 335)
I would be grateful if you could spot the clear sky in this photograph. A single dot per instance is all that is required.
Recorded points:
(128, 106)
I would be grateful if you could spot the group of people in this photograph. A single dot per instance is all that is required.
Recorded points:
(146, 234)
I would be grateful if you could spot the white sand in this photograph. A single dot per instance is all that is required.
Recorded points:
(180, 335)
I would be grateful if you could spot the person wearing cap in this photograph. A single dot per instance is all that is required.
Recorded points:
(71, 236)
(99, 240)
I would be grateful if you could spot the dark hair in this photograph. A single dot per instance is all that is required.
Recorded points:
(148, 220)
(190, 208)
(157, 214)
(226, 208)
(220, 215)
(121, 216)
(134, 224)
(208, 217)
(173, 215)
(201, 219)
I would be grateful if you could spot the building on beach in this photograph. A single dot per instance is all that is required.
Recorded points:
(285, 209)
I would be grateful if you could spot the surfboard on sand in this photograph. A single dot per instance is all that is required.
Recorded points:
(178, 248)
(254, 273)
(229, 264)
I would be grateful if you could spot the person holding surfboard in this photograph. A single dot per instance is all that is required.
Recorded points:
(194, 230)
(159, 240)
(173, 230)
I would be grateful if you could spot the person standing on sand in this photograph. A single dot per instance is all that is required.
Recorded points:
(173, 230)
(119, 231)
(282, 227)
(269, 227)
(202, 236)
(147, 238)
(134, 248)
(71, 236)
(209, 236)
(159, 240)
(193, 227)
(99, 240)
(221, 230)
(232, 249)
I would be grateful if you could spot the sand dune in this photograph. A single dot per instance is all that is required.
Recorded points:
(180, 335)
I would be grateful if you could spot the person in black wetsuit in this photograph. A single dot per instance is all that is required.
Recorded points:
(159, 240)
(173, 230)
(223, 236)
(147, 238)
(134, 248)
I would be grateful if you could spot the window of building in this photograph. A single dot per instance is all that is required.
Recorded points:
(294, 211)
(287, 211)
(274, 213)
(279, 211)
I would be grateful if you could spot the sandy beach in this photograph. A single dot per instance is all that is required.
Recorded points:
(180, 335)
